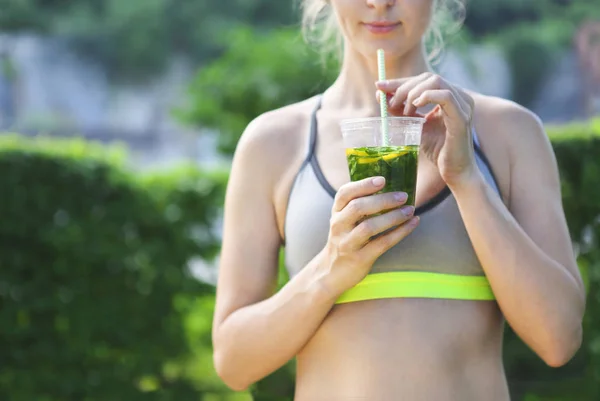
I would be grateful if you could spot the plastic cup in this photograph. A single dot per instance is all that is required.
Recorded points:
(396, 160)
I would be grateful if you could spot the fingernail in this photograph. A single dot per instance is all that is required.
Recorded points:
(400, 196)
(378, 181)
(414, 221)
(382, 83)
(407, 210)
(417, 102)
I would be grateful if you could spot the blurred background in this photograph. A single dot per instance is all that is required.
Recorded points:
(118, 121)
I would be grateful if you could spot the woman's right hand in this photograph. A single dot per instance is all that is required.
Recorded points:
(351, 251)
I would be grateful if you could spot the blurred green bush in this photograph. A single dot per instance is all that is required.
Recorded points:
(96, 300)
(530, 61)
(258, 72)
(531, 52)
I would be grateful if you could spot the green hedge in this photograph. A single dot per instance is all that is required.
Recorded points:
(96, 302)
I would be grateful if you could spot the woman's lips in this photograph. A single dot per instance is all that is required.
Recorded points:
(381, 27)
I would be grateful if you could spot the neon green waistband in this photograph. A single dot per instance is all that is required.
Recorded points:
(419, 285)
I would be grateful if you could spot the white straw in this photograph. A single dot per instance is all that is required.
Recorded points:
(383, 99)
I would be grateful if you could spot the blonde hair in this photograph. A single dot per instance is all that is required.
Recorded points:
(320, 28)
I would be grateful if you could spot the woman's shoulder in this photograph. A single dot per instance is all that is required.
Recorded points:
(507, 132)
(277, 128)
(506, 124)
(273, 140)
(271, 150)
(506, 118)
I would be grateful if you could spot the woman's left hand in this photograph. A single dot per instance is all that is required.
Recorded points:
(447, 139)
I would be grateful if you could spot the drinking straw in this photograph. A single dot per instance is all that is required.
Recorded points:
(383, 99)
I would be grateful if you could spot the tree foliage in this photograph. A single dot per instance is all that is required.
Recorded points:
(134, 39)
(258, 72)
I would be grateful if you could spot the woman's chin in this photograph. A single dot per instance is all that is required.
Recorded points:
(393, 49)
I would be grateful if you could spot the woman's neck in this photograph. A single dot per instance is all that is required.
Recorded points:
(354, 89)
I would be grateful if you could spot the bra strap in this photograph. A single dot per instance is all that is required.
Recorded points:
(312, 141)
(483, 158)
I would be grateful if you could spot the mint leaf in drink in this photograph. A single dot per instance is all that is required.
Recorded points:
(398, 164)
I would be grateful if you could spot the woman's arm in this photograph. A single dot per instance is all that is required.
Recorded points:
(526, 252)
(254, 331)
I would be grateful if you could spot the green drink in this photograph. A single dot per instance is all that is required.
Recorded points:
(397, 164)
(386, 147)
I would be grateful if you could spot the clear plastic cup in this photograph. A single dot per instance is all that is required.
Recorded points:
(394, 156)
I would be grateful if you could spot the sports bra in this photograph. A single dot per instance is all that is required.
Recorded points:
(436, 260)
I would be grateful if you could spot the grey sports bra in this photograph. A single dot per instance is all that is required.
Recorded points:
(439, 251)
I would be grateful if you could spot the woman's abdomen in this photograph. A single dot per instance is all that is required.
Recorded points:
(405, 349)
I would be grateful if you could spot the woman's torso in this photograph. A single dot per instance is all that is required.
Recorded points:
(390, 349)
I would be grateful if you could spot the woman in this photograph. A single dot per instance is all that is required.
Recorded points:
(496, 222)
